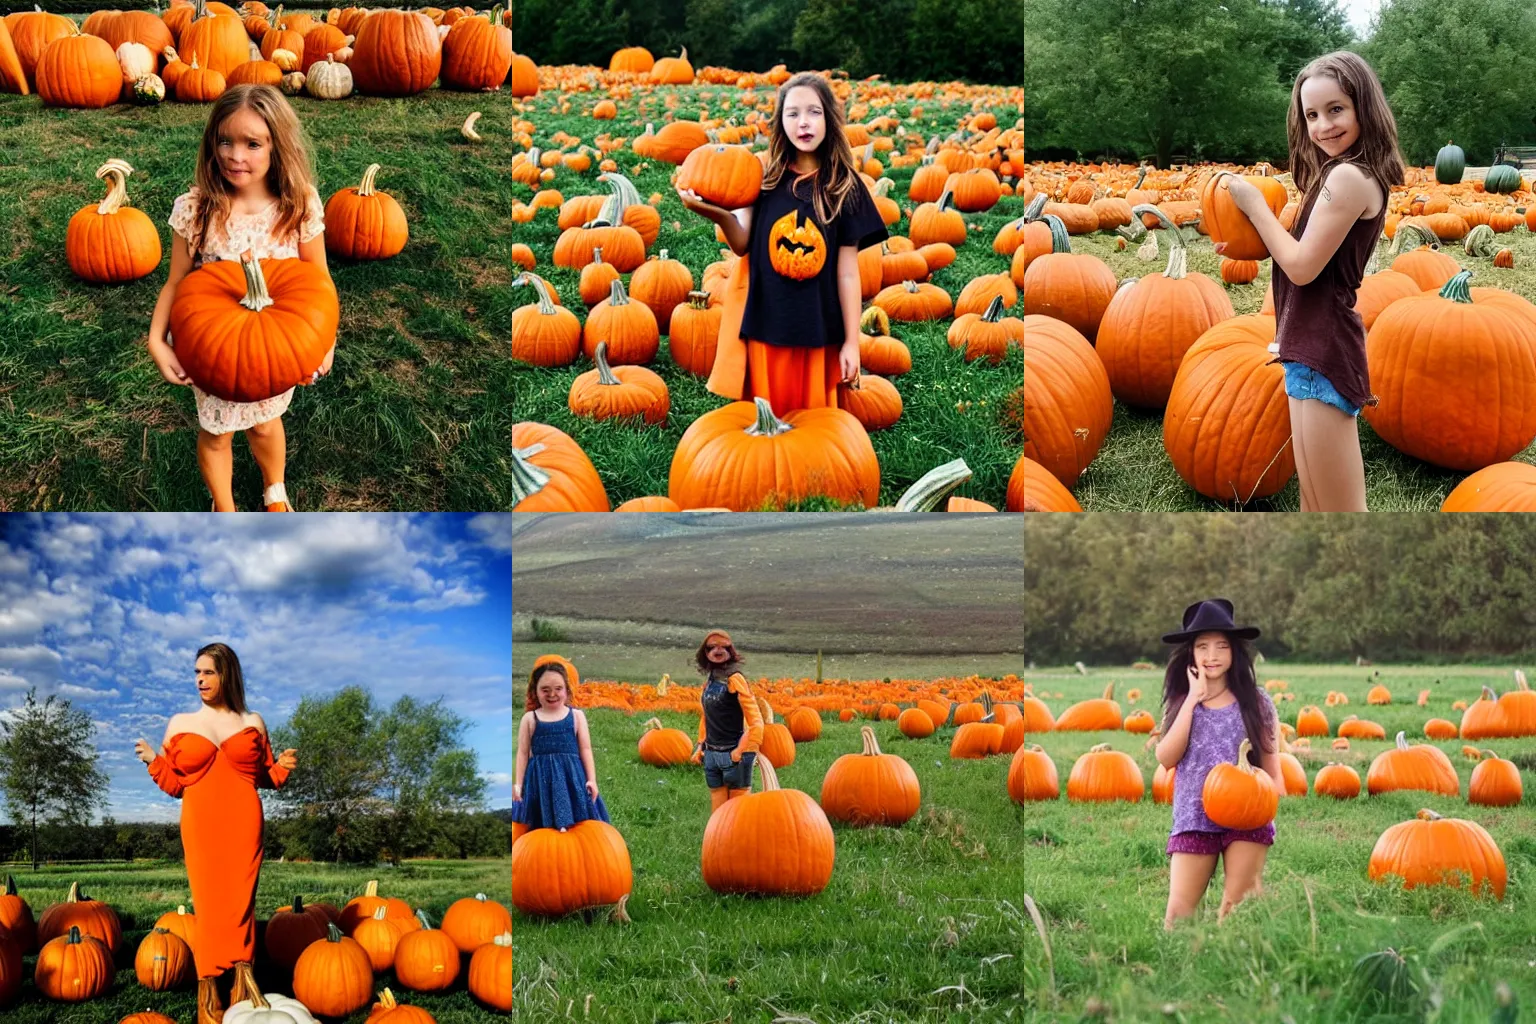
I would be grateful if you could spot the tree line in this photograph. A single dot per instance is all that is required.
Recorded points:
(1211, 79)
(373, 783)
(977, 41)
(1389, 587)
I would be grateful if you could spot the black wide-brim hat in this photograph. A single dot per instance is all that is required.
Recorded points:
(1212, 615)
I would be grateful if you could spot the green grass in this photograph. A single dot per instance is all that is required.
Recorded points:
(634, 460)
(1133, 472)
(414, 415)
(142, 891)
(913, 913)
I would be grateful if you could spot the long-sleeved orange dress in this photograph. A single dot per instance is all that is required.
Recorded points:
(221, 830)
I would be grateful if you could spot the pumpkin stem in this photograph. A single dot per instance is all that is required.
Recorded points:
(1488, 694)
(604, 371)
(387, 999)
(616, 294)
(767, 424)
(1060, 241)
(504, 939)
(994, 311)
(332, 933)
(1036, 748)
(1402, 740)
(932, 490)
(770, 777)
(618, 915)
(527, 480)
(1100, 748)
(946, 198)
(1427, 815)
(10, 886)
(74, 893)
(546, 304)
(651, 723)
(881, 188)
(910, 285)
(1035, 208)
(115, 172)
(1520, 683)
(662, 255)
(1109, 691)
(597, 254)
(871, 745)
(698, 300)
(256, 298)
(380, 913)
(74, 935)
(366, 188)
(421, 915)
(875, 316)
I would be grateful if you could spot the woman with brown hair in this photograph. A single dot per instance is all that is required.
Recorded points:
(214, 759)
(731, 727)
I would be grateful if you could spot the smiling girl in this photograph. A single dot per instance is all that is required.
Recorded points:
(1211, 702)
(731, 726)
(1344, 159)
(556, 781)
(254, 192)
(794, 296)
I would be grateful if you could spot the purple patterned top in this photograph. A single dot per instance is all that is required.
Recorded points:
(1214, 736)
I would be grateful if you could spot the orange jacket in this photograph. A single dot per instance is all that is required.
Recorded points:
(752, 733)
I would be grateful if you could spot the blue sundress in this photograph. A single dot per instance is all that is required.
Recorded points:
(555, 783)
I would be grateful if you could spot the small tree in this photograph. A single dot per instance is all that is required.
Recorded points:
(48, 770)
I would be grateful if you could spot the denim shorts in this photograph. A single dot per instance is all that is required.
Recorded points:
(720, 770)
(1303, 382)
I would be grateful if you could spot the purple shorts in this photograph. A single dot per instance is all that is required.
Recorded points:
(1217, 842)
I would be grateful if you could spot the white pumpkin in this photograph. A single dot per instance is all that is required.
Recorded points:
(273, 1009)
(135, 60)
(286, 60)
(292, 83)
(329, 79)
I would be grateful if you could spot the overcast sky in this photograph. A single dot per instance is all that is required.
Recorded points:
(1359, 13)
(108, 611)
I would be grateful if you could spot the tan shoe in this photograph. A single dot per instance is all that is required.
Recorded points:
(209, 1009)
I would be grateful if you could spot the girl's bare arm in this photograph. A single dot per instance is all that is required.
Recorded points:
(849, 293)
(1170, 749)
(1346, 194)
(524, 738)
(584, 739)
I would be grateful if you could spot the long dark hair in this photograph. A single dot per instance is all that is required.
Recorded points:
(231, 680)
(725, 671)
(1375, 150)
(532, 703)
(837, 173)
(1241, 680)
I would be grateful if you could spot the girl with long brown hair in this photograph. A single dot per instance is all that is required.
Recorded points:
(556, 781)
(790, 330)
(1344, 159)
(730, 725)
(254, 192)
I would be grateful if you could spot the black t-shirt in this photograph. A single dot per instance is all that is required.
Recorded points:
(792, 289)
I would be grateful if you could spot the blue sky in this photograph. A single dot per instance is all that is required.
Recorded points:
(108, 610)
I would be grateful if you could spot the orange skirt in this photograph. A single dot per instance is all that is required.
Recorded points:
(790, 378)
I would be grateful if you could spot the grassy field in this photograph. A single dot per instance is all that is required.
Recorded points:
(141, 892)
(933, 429)
(414, 415)
(928, 922)
(1133, 472)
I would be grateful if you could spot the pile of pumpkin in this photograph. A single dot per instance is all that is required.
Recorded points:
(193, 51)
(1171, 342)
(870, 698)
(333, 954)
(751, 454)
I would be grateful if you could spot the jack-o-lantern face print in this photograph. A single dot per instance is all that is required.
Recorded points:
(796, 250)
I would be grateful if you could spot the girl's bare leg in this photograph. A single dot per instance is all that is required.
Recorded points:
(1335, 467)
(215, 460)
(1188, 875)
(1243, 867)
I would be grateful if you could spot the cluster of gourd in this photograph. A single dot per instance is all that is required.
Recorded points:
(750, 452)
(333, 954)
(244, 331)
(193, 51)
(1171, 342)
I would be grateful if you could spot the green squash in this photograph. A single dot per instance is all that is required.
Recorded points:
(1502, 178)
(148, 90)
(1450, 163)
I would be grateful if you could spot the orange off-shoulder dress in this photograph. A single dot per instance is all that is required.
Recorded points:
(221, 829)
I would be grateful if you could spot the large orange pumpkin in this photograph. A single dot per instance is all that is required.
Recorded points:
(79, 71)
(609, 392)
(111, 242)
(92, 917)
(741, 455)
(1502, 487)
(556, 873)
(1432, 850)
(659, 746)
(1075, 289)
(786, 824)
(1228, 225)
(663, 284)
(292, 929)
(365, 223)
(251, 330)
(30, 33)
(1151, 323)
(544, 333)
(16, 918)
(396, 53)
(1227, 426)
(1033, 488)
(550, 472)
(1310, 721)
(322, 41)
(1068, 406)
(1105, 774)
(870, 788)
(472, 921)
(1162, 784)
(728, 176)
(379, 935)
(1511, 715)
(1419, 766)
(1032, 775)
(360, 908)
(477, 54)
(778, 744)
(1456, 375)
(1339, 781)
(163, 961)
(1092, 715)
(334, 977)
(628, 327)
(427, 959)
(1240, 796)
(490, 973)
(119, 27)
(73, 966)
(217, 42)
(12, 77)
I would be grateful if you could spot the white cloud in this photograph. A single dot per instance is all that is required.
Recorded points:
(71, 543)
(12, 562)
(84, 692)
(138, 560)
(493, 529)
(497, 778)
(40, 664)
(11, 681)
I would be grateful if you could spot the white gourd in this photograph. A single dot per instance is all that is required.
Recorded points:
(328, 79)
(135, 60)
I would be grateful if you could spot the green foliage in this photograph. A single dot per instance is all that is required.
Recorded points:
(1452, 70)
(546, 632)
(48, 773)
(1105, 589)
(903, 40)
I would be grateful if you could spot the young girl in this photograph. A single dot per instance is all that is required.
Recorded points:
(794, 297)
(731, 727)
(1344, 159)
(254, 191)
(556, 783)
(1211, 701)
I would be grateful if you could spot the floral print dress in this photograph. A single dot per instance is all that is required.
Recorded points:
(243, 232)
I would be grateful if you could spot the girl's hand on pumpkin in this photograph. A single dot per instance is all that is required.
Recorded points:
(166, 362)
(1245, 197)
(325, 367)
(848, 363)
(692, 201)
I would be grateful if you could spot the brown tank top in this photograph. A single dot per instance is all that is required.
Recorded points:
(1316, 323)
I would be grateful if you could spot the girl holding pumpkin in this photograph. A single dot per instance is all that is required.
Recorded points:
(255, 193)
(214, 759)
(1344, 159)
(556, 782)
(1211, 702)
(731, 726)
(790, 331)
